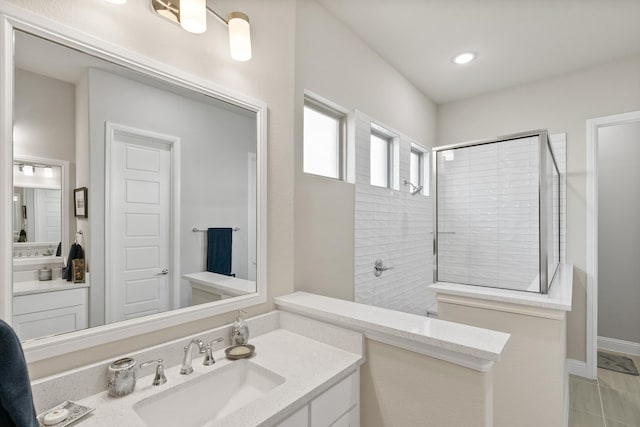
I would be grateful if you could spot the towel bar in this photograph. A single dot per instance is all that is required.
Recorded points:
(196, 229)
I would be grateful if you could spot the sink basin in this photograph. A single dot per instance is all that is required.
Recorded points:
(209, 397)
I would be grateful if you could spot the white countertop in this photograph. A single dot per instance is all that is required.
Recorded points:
(558, 298)
(38, 260)
(220, 284)
(468, 346)
(308, 366)
(37, 287)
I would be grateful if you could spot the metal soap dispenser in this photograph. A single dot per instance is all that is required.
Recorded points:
(239, 330)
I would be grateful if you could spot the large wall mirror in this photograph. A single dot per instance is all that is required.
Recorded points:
(137, 197)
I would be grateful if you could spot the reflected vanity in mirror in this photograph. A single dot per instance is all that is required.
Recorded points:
(174, 173)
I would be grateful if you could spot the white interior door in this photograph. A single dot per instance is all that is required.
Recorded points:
(139, 225)
(48, 217)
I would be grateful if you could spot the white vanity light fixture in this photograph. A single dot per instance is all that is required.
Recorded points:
(191, 15)
(464, 58)
(27, 170)
(239, 36)
(48, 172)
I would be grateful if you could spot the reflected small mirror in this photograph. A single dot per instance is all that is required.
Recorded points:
(37, 204)
(132, 195)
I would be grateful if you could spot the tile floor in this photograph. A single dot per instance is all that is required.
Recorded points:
(613, 400)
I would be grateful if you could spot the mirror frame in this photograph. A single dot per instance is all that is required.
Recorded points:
(14, 18)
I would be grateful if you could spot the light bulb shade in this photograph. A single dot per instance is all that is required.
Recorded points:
(239, 36)
(48, 172)
(27, 170)
(193, 15)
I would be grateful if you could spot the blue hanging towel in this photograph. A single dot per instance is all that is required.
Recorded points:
(16, 401)
(219, 242)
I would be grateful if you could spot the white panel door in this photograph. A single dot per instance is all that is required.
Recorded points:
(140, 219)
(48, 218)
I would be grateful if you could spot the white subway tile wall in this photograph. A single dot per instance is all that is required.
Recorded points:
(488, 215)
(495, 222)
(395, 227)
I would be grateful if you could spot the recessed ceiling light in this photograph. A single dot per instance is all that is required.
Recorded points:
(464, 58)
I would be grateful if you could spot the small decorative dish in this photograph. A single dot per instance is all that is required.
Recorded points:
(240, 351)
(64, 414)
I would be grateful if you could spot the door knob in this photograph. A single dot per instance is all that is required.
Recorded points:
(164, 271)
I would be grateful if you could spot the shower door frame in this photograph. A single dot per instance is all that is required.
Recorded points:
(543, 221)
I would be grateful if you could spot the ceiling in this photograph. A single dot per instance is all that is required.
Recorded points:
(516, 41)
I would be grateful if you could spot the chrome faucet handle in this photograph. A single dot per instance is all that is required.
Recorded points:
(208, 357)
(159, 378)
(186, 360)
(379, 267)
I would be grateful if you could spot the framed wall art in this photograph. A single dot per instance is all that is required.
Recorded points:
(80, 202)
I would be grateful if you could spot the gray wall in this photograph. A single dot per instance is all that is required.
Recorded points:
(215, 143)
(44, 120)
(560, 104)
(619, 232)
(44, 125)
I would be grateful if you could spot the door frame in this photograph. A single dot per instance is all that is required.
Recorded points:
(592, 231)
(252, 216)
(173, 142)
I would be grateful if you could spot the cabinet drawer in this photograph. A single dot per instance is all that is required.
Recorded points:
(27, 304)
(298, 419)
(350, 419)
(327, 407)
(50, 322)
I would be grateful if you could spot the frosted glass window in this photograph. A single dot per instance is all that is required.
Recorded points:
(380, 160)
(322, 142)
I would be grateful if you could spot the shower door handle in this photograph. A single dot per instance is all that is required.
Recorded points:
(379, 267)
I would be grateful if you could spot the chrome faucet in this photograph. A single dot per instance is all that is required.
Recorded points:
(186, 360)
(208, 357)
(159, 378)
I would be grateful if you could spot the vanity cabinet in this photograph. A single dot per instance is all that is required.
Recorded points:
(49, 313)
(299, 419)
(337, 407)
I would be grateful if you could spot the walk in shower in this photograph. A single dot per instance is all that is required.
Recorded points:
(497, 212)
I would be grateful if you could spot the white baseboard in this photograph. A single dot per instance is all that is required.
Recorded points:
(619, 346)
(577, 367)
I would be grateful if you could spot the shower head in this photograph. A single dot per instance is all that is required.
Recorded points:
(415, 189)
